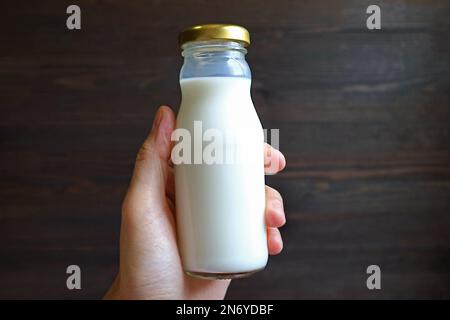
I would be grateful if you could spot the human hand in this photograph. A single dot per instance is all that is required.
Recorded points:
(150, 263)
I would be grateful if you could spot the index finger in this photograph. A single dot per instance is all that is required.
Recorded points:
(274, 160)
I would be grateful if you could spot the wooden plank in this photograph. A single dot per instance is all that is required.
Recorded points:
(363, 117)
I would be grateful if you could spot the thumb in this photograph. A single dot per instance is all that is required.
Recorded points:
(148, 184)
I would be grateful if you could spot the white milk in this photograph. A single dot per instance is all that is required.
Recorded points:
(220, 207)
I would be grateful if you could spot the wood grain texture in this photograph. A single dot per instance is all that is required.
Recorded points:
(364, 120)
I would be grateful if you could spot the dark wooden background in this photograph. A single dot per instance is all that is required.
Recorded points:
(364, 120)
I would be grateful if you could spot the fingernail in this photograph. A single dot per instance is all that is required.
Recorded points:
(161, 131)
(157, 120)
(282, 161)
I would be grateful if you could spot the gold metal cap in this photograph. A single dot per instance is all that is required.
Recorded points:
(215, 32)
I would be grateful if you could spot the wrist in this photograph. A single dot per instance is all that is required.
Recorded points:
(113, 292)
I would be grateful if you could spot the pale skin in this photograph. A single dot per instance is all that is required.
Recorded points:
(150, 263)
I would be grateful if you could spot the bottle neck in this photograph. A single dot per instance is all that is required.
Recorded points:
(214, 58)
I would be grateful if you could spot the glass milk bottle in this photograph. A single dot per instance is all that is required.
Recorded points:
(218, 157)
